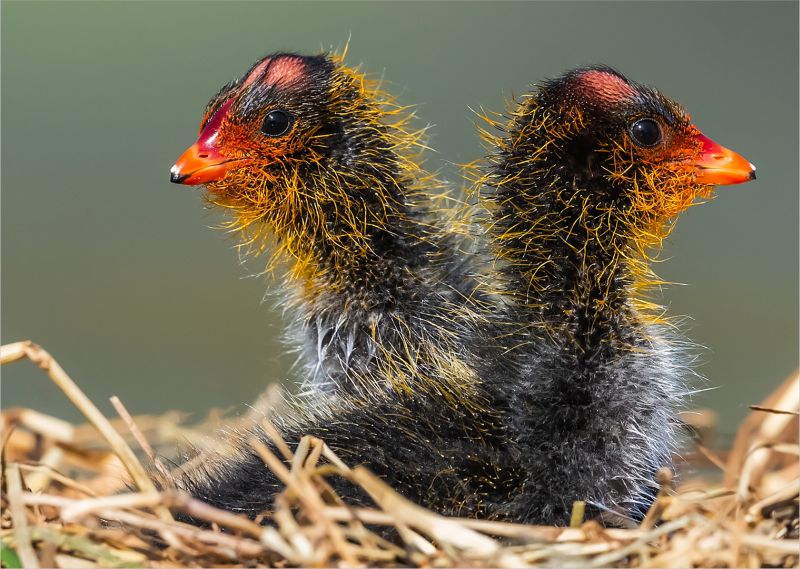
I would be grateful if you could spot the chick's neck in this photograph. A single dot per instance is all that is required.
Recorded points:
(575, 251)
(368, 260)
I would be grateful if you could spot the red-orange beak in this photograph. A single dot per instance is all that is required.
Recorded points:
(199, 165)
(718, 166)
(203, 162)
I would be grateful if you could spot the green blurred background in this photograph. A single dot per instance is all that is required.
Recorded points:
(119, 274)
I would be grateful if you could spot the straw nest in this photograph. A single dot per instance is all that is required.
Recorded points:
(68, 500)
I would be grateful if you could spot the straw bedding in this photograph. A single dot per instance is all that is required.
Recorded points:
(81, 496)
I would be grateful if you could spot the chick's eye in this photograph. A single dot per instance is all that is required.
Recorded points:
(276, 123)
(646, 132)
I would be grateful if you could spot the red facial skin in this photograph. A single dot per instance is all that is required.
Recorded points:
(715, 166)
(206, 161)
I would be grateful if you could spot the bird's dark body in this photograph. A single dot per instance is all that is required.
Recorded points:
(449, 459)
(592, 430)
(406, 296)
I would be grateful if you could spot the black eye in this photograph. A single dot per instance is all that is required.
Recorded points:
(276, 123)
(646, 132)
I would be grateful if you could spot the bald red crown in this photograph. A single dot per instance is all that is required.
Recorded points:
(603, 88)
(281, 70)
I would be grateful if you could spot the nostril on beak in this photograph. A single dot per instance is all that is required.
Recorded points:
(203, 155)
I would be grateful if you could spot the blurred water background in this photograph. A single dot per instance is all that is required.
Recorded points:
(119, 274)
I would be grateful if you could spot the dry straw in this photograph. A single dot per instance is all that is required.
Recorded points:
(67, 502)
